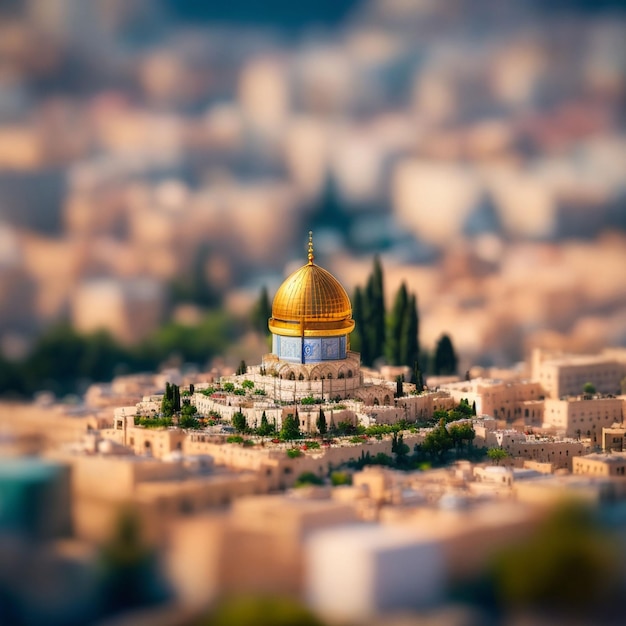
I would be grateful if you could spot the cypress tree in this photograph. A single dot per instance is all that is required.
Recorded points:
(290, 428)
(321, 423)
(376, 303)
(239, 422)
(395, 326)
(176, 397)
(399, 390)
(418, 377)
(445, 361)
(356, 338)
(410, 333)
(261, 312)
(265, 428)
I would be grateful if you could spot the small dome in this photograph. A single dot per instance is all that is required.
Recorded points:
(311, 301)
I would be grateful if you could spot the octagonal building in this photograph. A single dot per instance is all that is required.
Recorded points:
(311, 316)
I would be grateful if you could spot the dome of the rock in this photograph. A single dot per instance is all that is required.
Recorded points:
(311, 303)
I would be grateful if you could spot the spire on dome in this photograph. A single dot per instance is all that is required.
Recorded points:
(311, 256)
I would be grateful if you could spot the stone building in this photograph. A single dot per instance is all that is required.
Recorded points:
(583, 416)
(601, 464)
(507, 400)
(563, 375)
(311, 324)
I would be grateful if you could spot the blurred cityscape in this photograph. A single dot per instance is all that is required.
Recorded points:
(159, 159)
(459, 459)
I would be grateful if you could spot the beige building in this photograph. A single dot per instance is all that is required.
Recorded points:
(423, 406)
(559, 453)
(257, 547)
(613, 438)
(161, 490)
(564, 375)
(601, 464)
(583, 416)
(508, 400)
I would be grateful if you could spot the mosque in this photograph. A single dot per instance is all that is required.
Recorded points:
(311, 324)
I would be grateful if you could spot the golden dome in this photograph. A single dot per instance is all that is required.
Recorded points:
(311, 302)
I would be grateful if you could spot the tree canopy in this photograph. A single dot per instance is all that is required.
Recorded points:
(445, 360)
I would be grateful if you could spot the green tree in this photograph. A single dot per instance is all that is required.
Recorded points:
(497, 454)
(290, 428)
(373, 324)
(395, 327)
(167, 407)
(228, 387)
(460, 433)
(265, 429)
(358, 340)
(399, 386)
(188, 409)
(247, 384)
(188, 417)
(398, 447)
(322, 426)
(409, 348)
(418, 377)
(445, 361)
(261, 312)
(467, 433)
(176, 397)
(589, 388)
(438, 441)
(239, 422)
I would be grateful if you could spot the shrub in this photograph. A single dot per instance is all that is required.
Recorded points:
(153, 422)
(311, 445)
(294, 453)
(310, 400)
(340, 478)
(189, 421)
(308, 478)
(234, 439)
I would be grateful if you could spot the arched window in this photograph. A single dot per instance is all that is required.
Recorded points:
(349, 373)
